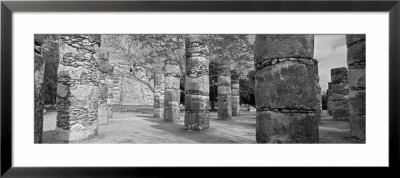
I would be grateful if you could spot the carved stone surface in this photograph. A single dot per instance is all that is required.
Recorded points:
(196, 84)
(339, 94)
(285, 92)
(172, 92)
(356, 77)
(159, 88)
(110, 85)
(39, 65)
(78, 83)
(116, 100)
(235, 97)
(224, 92)
(105, 72)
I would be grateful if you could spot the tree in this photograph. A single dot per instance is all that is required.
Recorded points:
(145, 54)
(238, 50)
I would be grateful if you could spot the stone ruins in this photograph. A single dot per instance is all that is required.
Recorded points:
(197, 88)
(172, 91)
(39, 63)
(286, 96)
(92, 82)
(78, 87)
(356, 80)
(235, 97)
(339, 94)
(224, 91)
(159, 88)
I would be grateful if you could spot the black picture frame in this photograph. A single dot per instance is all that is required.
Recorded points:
(8, 7)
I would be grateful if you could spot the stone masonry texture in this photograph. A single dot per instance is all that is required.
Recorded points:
(356, 79)
(339, 94)
(196, 84)
(39, 66)
(172, 79)
(285, 91)
(78, 87)
(224, 91)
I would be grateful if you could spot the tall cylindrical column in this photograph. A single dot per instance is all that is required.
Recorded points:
(235, 97)
(196, 84)
(39, 64)
(329, 99)
(224, 91)
(172, 91)
(339, 95)
(77, 90)
(105, 72)
(356, 79)
(159, 88)
(117, 83)
(285, 93)
(110, 85)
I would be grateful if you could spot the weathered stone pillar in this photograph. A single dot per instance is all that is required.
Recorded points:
(77, 90)
(196, 84)
(39, 63)
(110, 98)
(224, 91)
(329, 98)
(235, 97)
(172, 91)
(159, 88)
(285, 92)
(117, 82)
(356, 78)
(105, 71)
(340, 91)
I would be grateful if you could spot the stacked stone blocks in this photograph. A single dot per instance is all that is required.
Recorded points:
(285, 90)
(196, 84)
(356, 78)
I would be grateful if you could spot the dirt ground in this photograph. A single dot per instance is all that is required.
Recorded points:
(137, 125)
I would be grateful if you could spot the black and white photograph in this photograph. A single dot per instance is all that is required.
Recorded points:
(199, 88)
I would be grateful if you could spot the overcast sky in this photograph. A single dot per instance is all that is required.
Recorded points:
(330, 51)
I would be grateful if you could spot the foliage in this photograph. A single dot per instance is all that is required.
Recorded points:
(145, 54)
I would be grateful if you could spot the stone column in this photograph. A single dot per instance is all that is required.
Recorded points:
(196, 84)
(356, 79)
(235, 97)
(340, 91)
(77, 90)
(285, 92)
(172, 91)
(116, 100)
(105, 72)
(39, 64)
(110, 98)
(224, 91)
(159, 88)
(329, 99)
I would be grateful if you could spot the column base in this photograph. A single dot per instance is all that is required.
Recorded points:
(275, 127)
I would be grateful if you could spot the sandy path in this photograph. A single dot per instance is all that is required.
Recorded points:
(136, 127)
